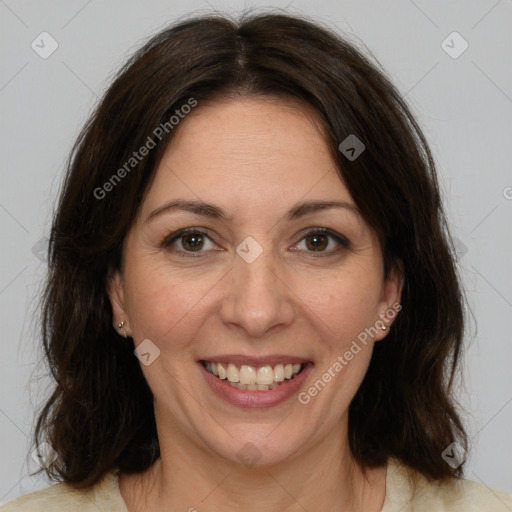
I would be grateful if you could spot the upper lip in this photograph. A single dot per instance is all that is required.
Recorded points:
(270, 360)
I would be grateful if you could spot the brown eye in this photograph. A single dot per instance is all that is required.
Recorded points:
(189, 241)
(317, 242)
(192, 242)
(323, 242)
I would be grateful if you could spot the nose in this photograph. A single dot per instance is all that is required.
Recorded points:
(257, 297)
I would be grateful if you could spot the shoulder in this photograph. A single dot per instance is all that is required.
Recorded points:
(408, 490)
(104, 495)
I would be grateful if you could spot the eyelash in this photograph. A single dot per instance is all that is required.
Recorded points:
(340, 239)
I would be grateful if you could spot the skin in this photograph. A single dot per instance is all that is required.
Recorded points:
(254, 158)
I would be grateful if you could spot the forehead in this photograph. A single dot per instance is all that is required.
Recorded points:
(252, 152)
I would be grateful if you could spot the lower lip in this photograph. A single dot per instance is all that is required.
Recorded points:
(250, 399)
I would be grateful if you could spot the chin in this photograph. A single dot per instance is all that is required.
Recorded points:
(256, 448)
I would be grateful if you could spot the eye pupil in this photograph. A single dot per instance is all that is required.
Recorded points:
(318, 242)
(192, 242)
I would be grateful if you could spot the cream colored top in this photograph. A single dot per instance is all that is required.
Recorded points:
(406, 491)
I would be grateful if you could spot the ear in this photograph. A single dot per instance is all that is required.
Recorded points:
(115, 290)
(389, 305)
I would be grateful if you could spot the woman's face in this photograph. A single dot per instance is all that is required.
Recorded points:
(255, 277)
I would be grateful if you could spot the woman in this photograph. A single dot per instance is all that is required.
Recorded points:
(252, 301)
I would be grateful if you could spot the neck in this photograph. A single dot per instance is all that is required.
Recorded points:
(187, 477)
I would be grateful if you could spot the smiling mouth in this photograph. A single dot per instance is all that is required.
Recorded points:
(250, 378)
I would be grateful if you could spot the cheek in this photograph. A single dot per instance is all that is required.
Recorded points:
(162, 301)
(343, 314)
(345, 305)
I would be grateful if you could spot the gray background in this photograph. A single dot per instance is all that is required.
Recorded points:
(463, 104)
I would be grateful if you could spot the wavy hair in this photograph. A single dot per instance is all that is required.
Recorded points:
(99, 416)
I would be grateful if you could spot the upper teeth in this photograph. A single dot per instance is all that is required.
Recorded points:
(250, 375)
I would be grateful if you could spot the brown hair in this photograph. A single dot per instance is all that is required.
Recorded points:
(100, 415)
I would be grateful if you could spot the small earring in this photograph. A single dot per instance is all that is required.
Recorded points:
(120, 326)
(383, 327)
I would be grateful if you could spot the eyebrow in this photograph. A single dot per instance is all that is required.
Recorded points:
(214, 212)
